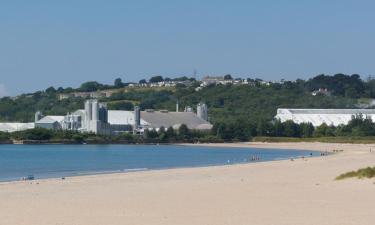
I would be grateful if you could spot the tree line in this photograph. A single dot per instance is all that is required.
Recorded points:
(358, 126)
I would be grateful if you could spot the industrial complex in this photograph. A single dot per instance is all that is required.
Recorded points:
(317, 117)
(96, 118)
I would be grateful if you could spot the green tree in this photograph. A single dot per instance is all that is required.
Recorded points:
(150, 134)
(51, 90)
(278, 128)
(291, 129)
(90, 86)
(143, 81)
(183, 131)
(156, 79)
(118, 83)
(170, 133)
(228, 77)
(307, 129)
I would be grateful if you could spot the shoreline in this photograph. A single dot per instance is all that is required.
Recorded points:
(309, 146)
(135, 170)
(290, 191)
(292, 146)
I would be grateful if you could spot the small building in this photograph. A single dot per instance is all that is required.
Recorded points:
(212, 80)
(65, 96)
(321, 91)
(50, 122)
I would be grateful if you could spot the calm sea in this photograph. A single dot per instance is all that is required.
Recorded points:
(48, 161)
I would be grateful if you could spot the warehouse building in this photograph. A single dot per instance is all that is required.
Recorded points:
(13, 127)
(156, 119)
(50, 122)
(317, 117)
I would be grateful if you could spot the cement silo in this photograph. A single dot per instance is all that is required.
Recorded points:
(202, 111)
(137, 117)
(95, 110)
(38, 116)
(103, 112)
(88, 110)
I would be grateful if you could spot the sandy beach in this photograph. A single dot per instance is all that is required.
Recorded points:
(299, 192)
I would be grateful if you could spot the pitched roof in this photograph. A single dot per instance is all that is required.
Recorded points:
(51, 119)
(157, 119)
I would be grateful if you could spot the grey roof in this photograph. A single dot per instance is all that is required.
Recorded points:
(51, 119)
(158, 119)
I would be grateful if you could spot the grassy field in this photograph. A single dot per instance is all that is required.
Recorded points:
(353, 140)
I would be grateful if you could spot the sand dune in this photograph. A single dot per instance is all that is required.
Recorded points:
(299, 192)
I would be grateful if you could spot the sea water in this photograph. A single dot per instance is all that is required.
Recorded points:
(53, 161)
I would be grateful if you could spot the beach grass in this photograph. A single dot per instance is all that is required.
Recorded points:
(368, 172)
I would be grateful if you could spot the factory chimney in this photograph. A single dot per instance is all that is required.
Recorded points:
(137, 117)
(177, 107)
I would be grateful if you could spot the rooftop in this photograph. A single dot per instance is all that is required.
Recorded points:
(51, 119)
(330, 111)
(12, 127)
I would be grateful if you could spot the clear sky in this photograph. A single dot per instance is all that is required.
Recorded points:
(65, 43)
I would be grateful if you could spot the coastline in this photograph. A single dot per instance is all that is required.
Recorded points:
(254, 193)
(310, 146)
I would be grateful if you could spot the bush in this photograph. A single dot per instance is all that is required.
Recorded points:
(368, 172)
(4, 136)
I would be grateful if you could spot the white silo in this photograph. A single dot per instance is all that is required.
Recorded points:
(202, 111)
(38, 116)
(95, 110)
(88, 110)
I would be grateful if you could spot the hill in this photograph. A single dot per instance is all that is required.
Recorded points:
(250, 103)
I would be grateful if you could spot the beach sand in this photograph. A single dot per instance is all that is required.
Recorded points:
(299, 192)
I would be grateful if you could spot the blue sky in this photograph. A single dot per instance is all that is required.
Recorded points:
(65, 43)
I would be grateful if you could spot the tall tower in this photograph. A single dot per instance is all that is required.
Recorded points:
(95, 110)
(137, 117)
(88, 110)
(177, 107)
(103, 112)
(96, 120)
(38, 116)
(202, 111)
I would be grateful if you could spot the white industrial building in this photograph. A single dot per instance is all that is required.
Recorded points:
(50, 122)
(96, 118)
(317, 117)
(13, 127)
